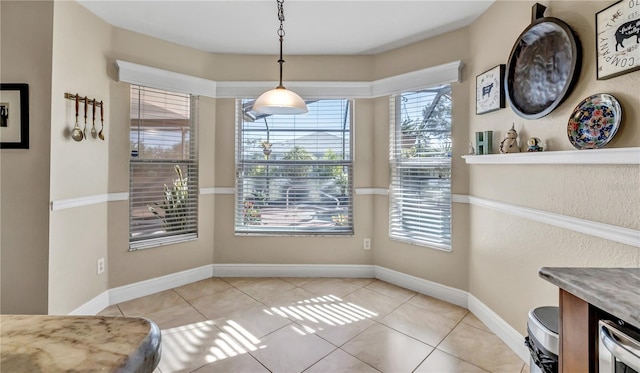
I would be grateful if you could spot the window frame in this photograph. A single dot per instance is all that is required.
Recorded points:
(190, 171)
(421, 164)
(242, 107)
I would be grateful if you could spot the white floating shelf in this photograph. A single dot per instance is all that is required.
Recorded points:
(589, 156)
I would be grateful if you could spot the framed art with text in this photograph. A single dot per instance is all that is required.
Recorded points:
(618, 39)
(490, 90)
(14, 116)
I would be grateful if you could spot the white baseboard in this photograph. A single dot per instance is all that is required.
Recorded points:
(93, 306)
(499, 327)
(422, 286)
(294, 270)
(154, 285)
(495, 323)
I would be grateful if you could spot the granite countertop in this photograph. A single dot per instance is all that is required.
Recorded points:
(41, 343)
(613, 290)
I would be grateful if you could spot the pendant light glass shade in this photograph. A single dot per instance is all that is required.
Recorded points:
(280, 101)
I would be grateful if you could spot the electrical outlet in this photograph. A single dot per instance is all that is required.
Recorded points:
(100, 266)
(366, 244)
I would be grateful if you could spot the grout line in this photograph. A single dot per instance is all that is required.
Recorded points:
(455, 326)
(450, 331)
(332, 351)
(355, 357)
(423, 360)
(398, 331)
(347, 341)
(352, 338)
(192, 306)
(259, 362)
(340, 347)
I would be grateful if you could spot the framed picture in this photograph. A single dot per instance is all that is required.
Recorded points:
(618, 39)
(490, 90)
(14, 116)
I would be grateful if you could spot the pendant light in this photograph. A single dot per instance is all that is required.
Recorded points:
(280, 100)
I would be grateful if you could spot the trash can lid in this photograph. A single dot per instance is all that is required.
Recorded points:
(547, 316)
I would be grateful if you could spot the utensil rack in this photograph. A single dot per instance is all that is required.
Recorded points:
(93, 101)
(77, 134)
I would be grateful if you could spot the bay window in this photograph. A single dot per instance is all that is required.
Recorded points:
(294, 172)
(420, 158)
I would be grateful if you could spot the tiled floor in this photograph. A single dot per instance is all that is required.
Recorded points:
(312, 325)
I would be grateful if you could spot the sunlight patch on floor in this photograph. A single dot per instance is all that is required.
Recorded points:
(214, 342)
(326, 310)
(219, 341)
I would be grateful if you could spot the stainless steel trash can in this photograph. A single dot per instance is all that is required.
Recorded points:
(542, 340)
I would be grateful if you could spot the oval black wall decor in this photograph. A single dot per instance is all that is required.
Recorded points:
(543, 67)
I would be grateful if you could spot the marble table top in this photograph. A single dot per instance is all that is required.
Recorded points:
(614, 290)
(39, 343)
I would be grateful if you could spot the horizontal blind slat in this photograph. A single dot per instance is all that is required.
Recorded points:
(294, 173)
(163, 205)
(420, 158)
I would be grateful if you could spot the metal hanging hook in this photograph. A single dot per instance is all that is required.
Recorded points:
(281, 34)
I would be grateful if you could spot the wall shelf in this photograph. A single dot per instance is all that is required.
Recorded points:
(591, 156)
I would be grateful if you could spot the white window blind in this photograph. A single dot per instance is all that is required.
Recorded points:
(294, 172)
(420, 157)
(163, 180)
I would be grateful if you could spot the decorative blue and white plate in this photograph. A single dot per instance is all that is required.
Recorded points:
(594, 121)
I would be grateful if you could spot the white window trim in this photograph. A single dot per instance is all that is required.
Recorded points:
(152, 77)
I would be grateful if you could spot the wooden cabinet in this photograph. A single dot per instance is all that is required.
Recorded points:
(578, 334)
(588, 295)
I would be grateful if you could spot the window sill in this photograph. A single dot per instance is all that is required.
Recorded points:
(592, 156)
(162, 241)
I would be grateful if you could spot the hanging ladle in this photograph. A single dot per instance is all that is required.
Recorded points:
(76, 134)
(94, 133)
(86, 106)
(100, 135)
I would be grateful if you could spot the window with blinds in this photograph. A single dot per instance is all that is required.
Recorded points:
(420, 157)
(294, 172)
(163, 179)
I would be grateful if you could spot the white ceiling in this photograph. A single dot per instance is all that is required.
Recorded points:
(313, 27)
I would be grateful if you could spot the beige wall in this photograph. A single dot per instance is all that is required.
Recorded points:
(448, 268)
(506, 252)
(25, 57)
(145, 50)
(495, 256)
(78, 236)
(132, 266)
(217, 154)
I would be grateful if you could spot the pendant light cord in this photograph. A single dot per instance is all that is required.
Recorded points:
(281, 35)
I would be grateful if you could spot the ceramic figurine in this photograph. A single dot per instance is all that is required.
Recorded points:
(472, 150)
(510, 142)
(534, 145)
